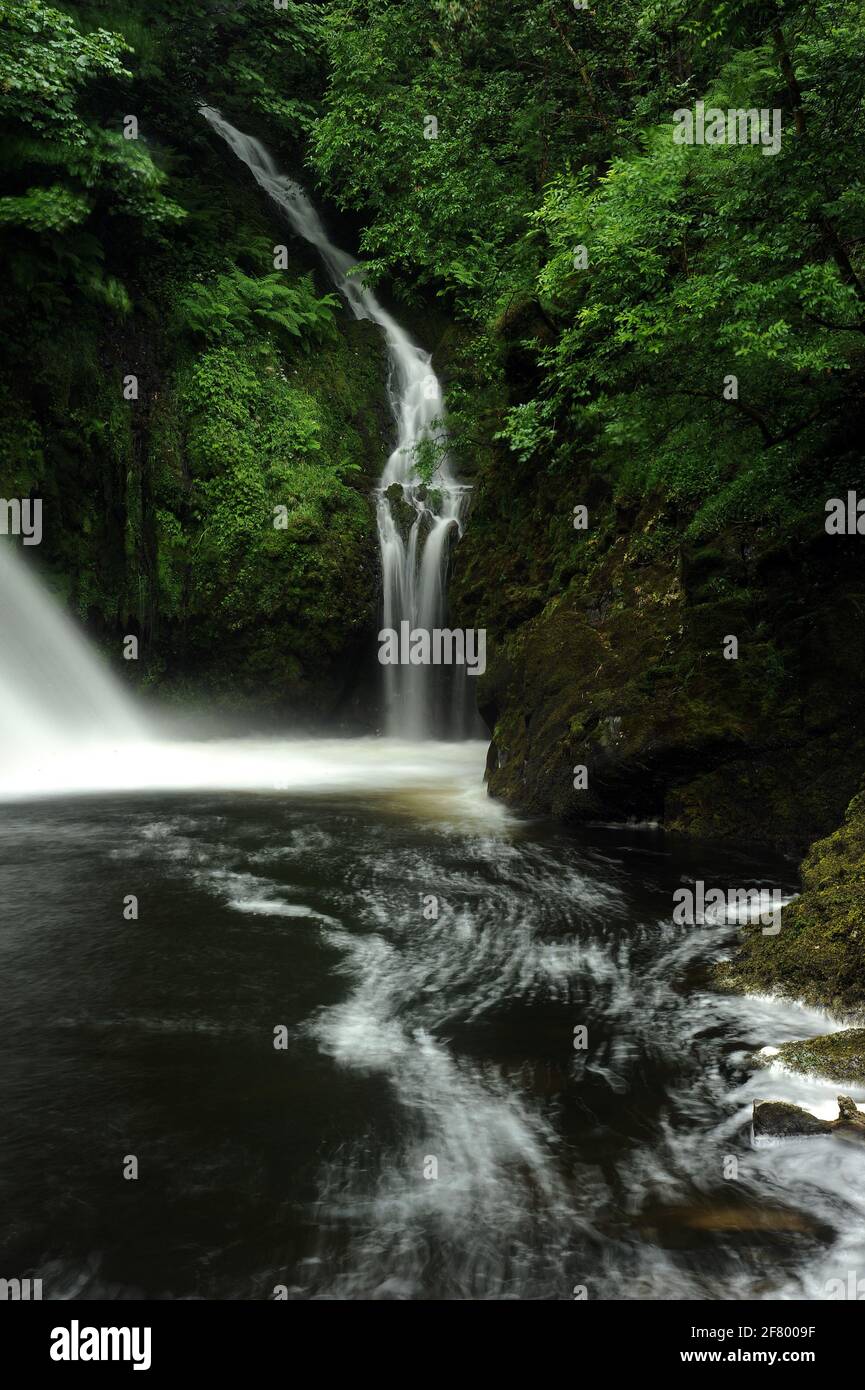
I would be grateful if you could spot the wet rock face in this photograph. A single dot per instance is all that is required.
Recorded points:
(606, 651)
(608, 696)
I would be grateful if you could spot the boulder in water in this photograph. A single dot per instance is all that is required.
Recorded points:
(778, 1119)
(403, 513)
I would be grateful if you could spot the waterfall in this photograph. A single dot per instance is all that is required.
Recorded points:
(415, 537)
(55, 694)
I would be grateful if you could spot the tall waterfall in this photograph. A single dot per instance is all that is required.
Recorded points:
(419, 700)
(55, 694)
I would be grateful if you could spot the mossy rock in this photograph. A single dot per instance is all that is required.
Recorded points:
(403, 513)
(818, 956)
(836, 1056)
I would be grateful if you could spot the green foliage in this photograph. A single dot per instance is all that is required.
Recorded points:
(235, 306)
(152, 255)
(705, 262)
(67, 165)
(253, 444)
(268, 63)
(53, 209)
(429, 455)
(526, 430)
(390, 68)
(45, 64)
(46, 69)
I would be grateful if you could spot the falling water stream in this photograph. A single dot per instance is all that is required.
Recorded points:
(338, 1030)
(413, 565)
(54, 692)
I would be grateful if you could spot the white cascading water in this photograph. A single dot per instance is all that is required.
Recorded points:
(55, 694)
(414, 567)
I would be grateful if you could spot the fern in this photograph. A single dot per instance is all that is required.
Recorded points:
(236, 306)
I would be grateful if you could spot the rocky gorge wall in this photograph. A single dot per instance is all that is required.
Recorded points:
(608, 695)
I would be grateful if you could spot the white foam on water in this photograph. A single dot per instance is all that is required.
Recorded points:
(272, 907)
(442, 780)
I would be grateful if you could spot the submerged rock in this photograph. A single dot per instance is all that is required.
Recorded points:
(721, 1217)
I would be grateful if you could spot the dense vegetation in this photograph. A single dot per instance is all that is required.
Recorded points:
(554, 132)
(590, 289)
(165, 387)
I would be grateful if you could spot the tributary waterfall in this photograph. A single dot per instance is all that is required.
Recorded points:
(414, 558)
